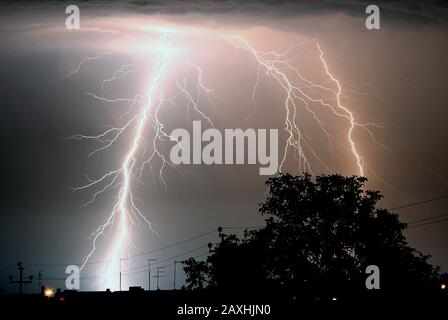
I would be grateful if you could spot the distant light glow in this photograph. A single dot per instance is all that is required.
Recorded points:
(49, 292)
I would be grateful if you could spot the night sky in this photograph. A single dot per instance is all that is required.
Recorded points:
(395, 77)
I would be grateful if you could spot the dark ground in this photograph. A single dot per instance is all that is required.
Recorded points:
(165, 305)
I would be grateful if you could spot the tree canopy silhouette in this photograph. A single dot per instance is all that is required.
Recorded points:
(320, 235)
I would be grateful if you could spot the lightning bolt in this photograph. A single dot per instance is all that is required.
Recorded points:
(124, 211)
(86, 61)
(143, 114)
(349, 114)
(279, 67)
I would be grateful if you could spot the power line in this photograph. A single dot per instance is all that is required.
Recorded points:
(166, 265)
(428, 223)
(167, 259)
(132, 256)
(143, 253)
(136, 268)
(419, 203)
(428, 218)
(7, 268)
(175, 244)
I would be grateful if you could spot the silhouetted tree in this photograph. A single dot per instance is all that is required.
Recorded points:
(320, 235)
(197, 273)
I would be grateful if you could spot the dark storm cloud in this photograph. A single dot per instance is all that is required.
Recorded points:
(419, 11)
(424, 10)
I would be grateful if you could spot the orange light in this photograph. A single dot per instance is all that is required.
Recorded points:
(49, 293)
(443, 286)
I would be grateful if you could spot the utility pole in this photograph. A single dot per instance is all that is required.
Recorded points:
(20, 281)
(39, 278)
(149, 273)
(174, 273)
(157, 276)
(120, 271)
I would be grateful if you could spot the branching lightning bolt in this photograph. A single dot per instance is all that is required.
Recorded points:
(278, 65)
